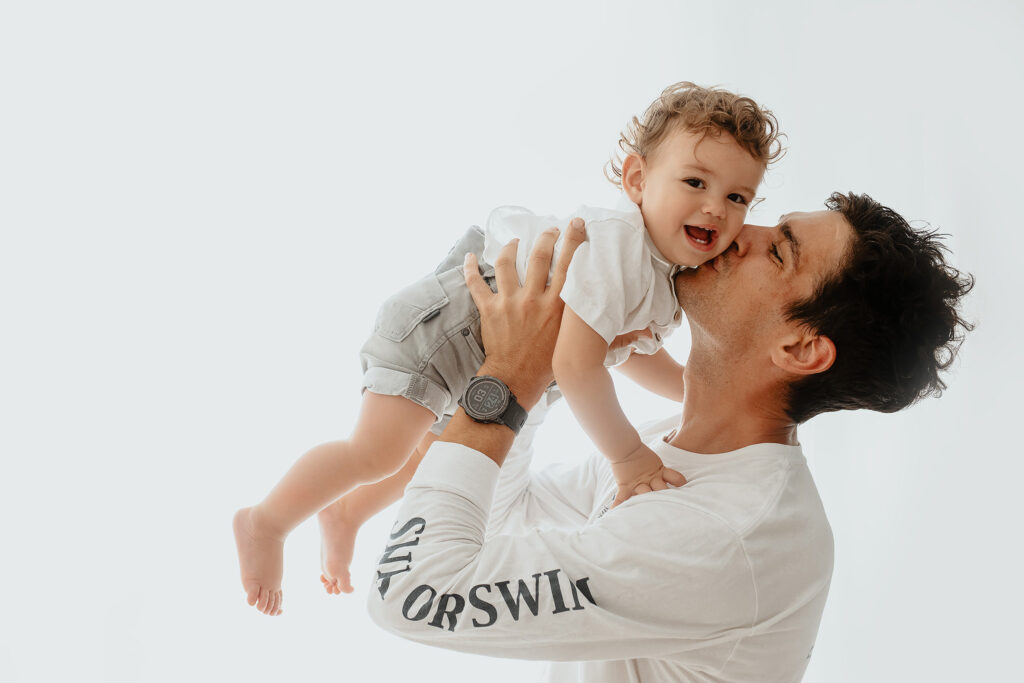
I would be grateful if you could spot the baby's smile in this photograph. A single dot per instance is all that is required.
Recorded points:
(701, 237)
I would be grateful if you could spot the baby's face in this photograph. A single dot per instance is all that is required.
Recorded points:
(695, 194)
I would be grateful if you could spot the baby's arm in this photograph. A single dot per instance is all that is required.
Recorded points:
(658, 373)
(578, 365)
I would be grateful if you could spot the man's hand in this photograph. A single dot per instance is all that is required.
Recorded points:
(519, 324)
(642, 472)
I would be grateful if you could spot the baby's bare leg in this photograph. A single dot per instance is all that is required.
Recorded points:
(340, 521)
(388, 429)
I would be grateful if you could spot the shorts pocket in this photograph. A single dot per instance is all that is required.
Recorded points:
(408, 308)
(471, 337)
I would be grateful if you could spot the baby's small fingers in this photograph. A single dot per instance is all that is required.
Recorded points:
(672, 477)
(641, 488)
(658, 484)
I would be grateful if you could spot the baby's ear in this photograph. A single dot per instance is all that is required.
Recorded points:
(634, 171)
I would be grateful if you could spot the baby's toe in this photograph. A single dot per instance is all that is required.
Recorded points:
(264, 600)
(275, 606)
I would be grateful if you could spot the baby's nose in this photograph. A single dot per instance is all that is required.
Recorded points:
(715, 207)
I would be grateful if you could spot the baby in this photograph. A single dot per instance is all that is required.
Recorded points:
(690, 172)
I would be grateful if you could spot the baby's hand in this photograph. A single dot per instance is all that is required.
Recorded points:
(629, 337)
(641, 472)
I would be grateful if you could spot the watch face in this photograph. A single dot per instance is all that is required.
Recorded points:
(486, 398)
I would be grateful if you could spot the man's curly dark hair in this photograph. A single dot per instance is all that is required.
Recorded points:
(892, 310)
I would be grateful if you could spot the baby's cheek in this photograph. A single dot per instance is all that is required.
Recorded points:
(726, 237)
(721, 246)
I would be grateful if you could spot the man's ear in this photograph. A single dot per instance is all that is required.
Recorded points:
(805, 353)
(634, 176)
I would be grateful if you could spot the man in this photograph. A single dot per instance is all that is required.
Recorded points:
(725, 578)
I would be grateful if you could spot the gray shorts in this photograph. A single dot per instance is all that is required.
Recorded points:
(426, 343)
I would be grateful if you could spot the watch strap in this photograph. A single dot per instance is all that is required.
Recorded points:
(514, 416)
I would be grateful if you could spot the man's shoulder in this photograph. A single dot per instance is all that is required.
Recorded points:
(756, 490)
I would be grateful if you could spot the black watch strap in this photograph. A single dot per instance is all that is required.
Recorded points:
(515, 415)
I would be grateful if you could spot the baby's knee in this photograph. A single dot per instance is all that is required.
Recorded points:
(376, 464)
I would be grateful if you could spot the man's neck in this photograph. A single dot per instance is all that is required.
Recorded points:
(724, 412)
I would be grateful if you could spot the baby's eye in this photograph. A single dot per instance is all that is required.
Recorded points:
(775, 252)
(694, 182)
(737, 198)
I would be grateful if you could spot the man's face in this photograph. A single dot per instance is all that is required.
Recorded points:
(737, 300)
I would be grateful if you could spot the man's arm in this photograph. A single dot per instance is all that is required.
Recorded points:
(519, 327)
(651, 578)
(628, 585)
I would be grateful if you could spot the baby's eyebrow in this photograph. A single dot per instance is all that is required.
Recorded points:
(700, 169)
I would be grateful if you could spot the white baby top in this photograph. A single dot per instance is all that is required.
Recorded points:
(618, 281)
(721, 580)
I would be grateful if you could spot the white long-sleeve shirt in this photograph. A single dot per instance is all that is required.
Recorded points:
(723, 579)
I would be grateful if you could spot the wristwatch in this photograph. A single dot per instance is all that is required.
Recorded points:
(487, 399)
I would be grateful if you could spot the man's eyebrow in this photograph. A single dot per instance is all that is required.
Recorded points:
(794, 245)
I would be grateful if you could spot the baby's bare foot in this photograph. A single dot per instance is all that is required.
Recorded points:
(261, 557)
(337, 543)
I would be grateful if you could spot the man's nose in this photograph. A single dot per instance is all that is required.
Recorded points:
(750, 236)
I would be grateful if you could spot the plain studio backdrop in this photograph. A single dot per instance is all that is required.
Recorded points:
(203, 203)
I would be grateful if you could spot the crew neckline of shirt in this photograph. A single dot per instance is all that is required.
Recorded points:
(777, 450)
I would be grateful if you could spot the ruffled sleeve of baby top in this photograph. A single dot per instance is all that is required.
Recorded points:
(618, 282)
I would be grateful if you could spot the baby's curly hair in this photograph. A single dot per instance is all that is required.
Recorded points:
(709, 111)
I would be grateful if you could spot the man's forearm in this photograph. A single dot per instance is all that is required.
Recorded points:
(493, 440)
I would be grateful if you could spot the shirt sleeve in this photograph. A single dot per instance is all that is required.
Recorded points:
(609, 278)
(556, 495)
(651, 578)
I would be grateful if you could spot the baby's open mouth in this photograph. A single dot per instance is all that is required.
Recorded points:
(702, 237)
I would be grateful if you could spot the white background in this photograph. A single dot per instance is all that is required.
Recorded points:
(202, 204)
